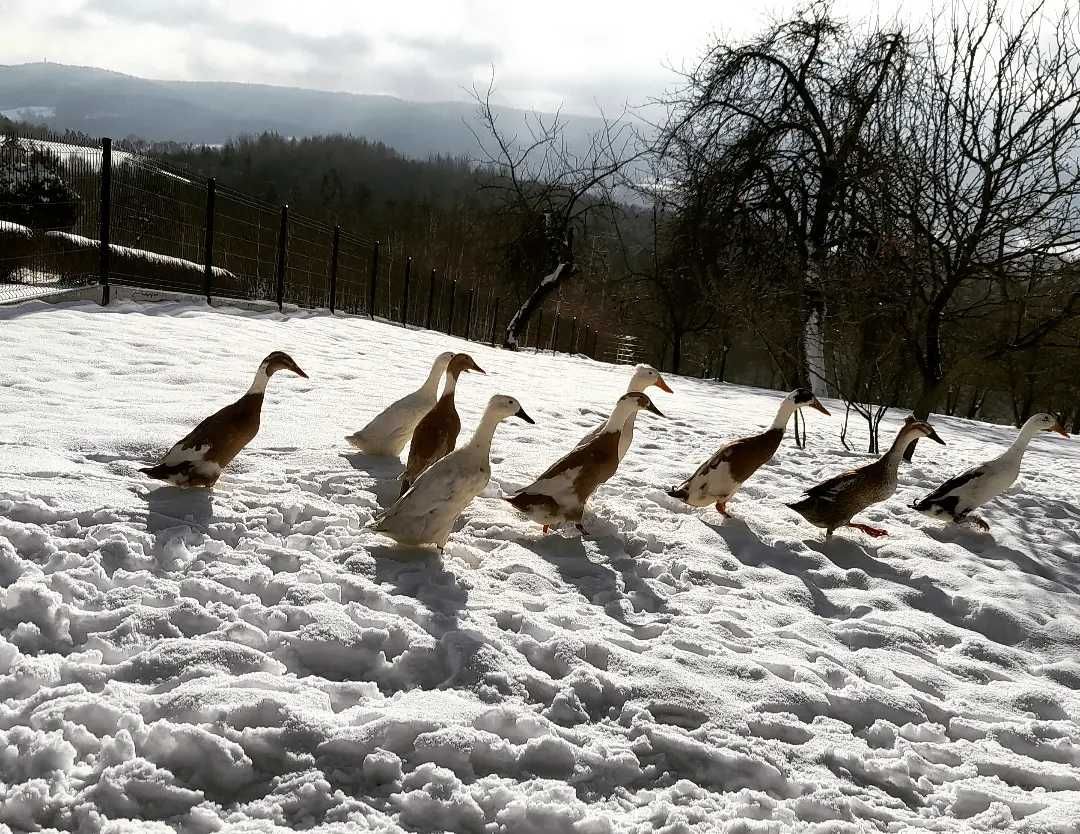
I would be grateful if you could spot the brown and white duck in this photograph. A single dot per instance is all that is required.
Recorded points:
(718, 478)
(643, 378)
(560, 493)
(435, 436)
(198, 459)
(834, 502)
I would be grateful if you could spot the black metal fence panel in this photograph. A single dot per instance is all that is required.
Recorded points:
(146, 224)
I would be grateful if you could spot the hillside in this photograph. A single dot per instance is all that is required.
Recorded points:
(256, 659)
(105, 103)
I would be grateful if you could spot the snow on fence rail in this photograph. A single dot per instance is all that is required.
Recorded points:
(73, 215)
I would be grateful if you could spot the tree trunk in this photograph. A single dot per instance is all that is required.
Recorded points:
(676, 351)
(722, 370)
(812, 314)
(548, 284)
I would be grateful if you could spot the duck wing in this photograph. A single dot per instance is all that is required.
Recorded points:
(951, 485)
(836, 485)
(220, 436)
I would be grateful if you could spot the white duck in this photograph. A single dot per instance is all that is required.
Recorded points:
(390, 429)
(957, 497)
(427, 512)
(644, 377)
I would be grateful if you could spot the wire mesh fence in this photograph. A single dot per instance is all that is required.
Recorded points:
(75, 215)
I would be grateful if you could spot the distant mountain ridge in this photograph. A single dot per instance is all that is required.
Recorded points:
(105, 103)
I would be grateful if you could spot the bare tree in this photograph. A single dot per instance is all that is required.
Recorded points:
(989, 162)
(786, 112)
(546, 189)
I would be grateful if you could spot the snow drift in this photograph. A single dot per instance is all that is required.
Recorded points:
(255, 660)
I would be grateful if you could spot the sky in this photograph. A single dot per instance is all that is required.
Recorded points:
(580, 55)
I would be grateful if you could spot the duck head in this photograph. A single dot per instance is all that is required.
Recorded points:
(1048, 422)
(802, 397)
(918, 428)
(639, 402)
(280, 361)
(462, 362)
(503, 406)
(646, 375)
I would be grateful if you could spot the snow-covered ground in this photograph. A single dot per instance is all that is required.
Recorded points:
(255, 660)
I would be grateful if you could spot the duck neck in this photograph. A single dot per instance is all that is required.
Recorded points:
(1019, 446)
(431, 384)
(481, 440)
(258, 385)
(896, 451)
(451, 383)
(623, 409)
(783, 414)
(637, 385)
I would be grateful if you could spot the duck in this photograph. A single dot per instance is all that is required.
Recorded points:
(644, 377)
(956, 498)
(559, 495)
(833, 503)
(719, 478)
(436, 434)
(198, 459)
(426, 514)
(390, 429)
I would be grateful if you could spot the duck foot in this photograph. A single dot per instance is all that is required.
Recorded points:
(978, 522)
(721, 507)
(874, 532)
(545, 529)
(581, 529)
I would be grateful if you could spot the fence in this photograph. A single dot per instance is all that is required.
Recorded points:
(73, 215)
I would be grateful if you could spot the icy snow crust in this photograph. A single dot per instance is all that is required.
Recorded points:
(255, 660)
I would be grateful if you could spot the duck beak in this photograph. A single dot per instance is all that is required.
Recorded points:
(655, 410)
(1060, 429)
(934, 436)
(817, 406)
(296, 369)
(477, 368)
(521, 413)
(663, 386)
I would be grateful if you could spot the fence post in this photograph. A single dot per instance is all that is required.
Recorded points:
(494, 321)
(106, 211)
(405, 292)
(208, 248)
(573, 335)
(374, 280)
(469, 313)
(453, 303)
(282, 249)
(430, 301)
(555, 334)
(538, 341)
(335, 247)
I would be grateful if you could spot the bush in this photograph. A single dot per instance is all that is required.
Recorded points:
(33, 191)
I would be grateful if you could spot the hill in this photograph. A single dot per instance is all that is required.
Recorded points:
(106, 103)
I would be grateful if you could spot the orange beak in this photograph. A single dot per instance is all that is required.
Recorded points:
(663, 386)
(1060, 429)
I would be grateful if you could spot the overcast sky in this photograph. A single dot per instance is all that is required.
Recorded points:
(578, 54)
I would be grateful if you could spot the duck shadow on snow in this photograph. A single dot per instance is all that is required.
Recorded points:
(419, 572)
(846, 554)
(599, 581)
(985, 547)
(169, 507)
(385, 471)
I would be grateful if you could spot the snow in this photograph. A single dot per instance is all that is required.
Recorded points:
(255, 659)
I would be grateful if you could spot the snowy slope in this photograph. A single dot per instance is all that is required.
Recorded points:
(255, 660)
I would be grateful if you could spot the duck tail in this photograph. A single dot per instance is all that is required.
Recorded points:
(161, 472)
(680, 492)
